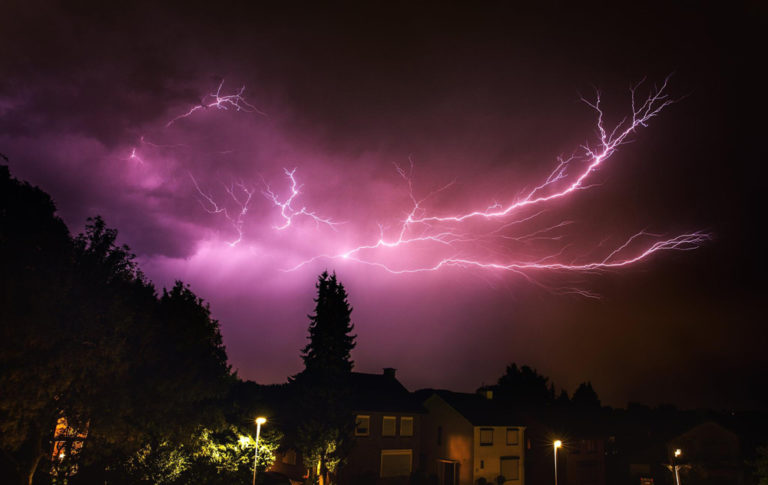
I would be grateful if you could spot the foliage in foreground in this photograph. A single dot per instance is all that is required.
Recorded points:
(213, 457)
(85, 336)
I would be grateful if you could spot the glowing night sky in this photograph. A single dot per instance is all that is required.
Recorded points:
(572, 190)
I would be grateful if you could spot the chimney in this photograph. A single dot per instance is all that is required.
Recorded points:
(389, 372)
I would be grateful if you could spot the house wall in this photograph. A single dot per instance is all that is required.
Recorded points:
(487, 458)
(584, 462)
(363, 464)
(456, 443)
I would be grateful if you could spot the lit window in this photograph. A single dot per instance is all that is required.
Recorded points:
(406, 426)
(362, 425)
(512, 436)
(510, 467)
(389, 426)
(486, 436)
(396, 463)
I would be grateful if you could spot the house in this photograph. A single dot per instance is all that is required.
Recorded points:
(707, 453)
(584, 460)
(386, 445)
(469, 439)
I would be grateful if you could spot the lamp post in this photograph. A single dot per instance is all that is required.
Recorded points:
(259, 421)
(678, 452)
(557, 444)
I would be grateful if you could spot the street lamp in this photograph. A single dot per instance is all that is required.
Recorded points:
(557, 444)
(259, 421)
(677, 454)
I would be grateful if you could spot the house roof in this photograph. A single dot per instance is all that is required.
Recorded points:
(382, 392)
(475, 408)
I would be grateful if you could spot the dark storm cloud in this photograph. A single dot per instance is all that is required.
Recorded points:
(487, 96)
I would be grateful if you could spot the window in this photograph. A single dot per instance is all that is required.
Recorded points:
(396, 463)
(406, 426)
(439, 435)
(389, 426)
(362, 425)
(513, 436)
(486, 436)
(510, 467)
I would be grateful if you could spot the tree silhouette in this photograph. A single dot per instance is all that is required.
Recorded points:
(523, 387)
(35, 274)
(85, 336)
(323, 396)
(328, 352)
(585, 397)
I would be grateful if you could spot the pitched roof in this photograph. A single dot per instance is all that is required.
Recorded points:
(382, 392)
(478, 410)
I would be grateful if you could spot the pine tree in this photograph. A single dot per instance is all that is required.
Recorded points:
(330, 343)
(322, 388)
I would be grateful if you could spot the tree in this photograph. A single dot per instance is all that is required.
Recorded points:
(585, 397)
(327, 354)
(761, 465)
(224, 456)
(35, 276)
(523, 387)
(322, 433)
(84, 336)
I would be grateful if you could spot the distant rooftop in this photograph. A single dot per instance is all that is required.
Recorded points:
(477, 409)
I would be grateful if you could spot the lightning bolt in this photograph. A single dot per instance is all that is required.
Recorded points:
(287, 211)
(234, 101)
(508, 237)
(609, 141)
(240, 195)
(419, 228)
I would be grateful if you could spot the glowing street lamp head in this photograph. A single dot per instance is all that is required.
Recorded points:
(558, 444)
(261, 420)
(678, 452)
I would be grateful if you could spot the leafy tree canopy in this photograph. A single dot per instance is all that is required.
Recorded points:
(84, 335)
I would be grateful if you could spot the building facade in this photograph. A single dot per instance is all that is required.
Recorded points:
(468, 439)
(386, 446)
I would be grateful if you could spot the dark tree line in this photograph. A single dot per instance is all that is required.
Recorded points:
(524, 388)
(85, 336)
